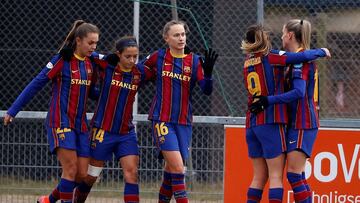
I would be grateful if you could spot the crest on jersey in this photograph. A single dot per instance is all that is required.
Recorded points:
(62, 136)
(187, 69)
(161, 139)
(49, 65)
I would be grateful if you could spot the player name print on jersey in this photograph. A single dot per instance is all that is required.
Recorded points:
(80, 82)
(252, 61)
(176, 75)
(124, 85)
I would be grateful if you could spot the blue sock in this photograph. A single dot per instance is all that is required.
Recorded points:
(307, 186)
(301, 195)
(178, 187)
(66, 188)
(165, 192)
(276, 195)
(254, 195)
(55, 195)
(131, 193)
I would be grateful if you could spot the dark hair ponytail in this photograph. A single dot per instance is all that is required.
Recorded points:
(79, 29)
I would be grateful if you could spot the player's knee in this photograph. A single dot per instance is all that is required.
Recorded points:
(260, 179)
(131, 174)
(295, 164)
(70, 170)
(178, 168)
(276, 177)
(294, 167)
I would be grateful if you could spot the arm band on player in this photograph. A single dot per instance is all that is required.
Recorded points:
(94, 171)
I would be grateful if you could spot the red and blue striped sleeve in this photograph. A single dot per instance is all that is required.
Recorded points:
(146, 73)
(99, 60)
(94, 91)
(151, 61)
(277, 57)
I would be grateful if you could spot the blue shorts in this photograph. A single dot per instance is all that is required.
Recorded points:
(267, 141)
(172, 137)
(68, 138)
(104, 144)
(301, 140)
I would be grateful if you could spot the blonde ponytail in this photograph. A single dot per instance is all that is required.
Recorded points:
(302, 31)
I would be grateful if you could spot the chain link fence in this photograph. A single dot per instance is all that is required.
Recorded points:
(32, 31)
(28, 168)
(336, 25)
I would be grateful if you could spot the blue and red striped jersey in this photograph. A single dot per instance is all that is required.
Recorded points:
(71, 82)
(265, 75)
(175, 78)
(304, 112)
(114, 112)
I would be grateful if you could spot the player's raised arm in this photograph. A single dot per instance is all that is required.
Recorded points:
(207, 65)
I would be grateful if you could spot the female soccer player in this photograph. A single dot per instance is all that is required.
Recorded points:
(113, 130)
(171, 111)
(265, 124)
(302, 99)
(72, 77)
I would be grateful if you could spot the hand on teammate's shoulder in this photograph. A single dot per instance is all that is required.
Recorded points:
(327, 52)
(112, 59)
(66, 53)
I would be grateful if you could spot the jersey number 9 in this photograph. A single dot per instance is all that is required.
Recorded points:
(254, 86)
